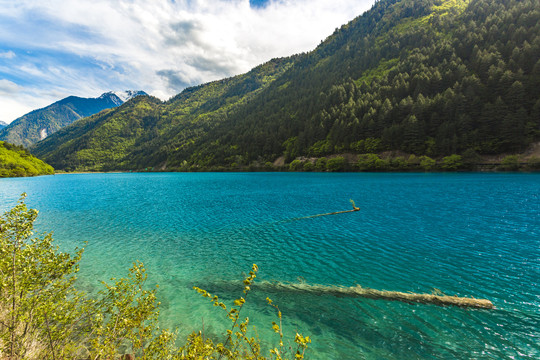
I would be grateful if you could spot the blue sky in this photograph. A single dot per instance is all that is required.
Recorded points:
(56, 48)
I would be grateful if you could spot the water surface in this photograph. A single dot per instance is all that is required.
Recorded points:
(464, 234)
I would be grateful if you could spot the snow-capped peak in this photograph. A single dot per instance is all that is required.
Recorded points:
(128, 94)
(123, 96)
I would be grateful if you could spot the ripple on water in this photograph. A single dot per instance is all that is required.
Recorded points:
(464, 234)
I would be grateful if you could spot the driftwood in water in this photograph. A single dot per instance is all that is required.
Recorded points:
(358, 291)
(332, 213)
(353, 291)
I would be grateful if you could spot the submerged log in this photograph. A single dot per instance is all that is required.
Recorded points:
(359, 291)
(353, 292)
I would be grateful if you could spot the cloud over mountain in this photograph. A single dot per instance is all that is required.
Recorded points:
(53, 49)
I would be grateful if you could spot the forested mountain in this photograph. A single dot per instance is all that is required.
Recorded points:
(38, 124)
(16, 161)
(145, 133)
(422, 77)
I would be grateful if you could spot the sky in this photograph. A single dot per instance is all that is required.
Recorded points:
(51, 49)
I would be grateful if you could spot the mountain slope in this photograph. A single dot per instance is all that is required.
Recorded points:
(416, 76)
(424, 77)
(2, 125)
(16, 161)
(139, 133)
(39, 124)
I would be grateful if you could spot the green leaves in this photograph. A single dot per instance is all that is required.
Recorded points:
(238, 344)
(43, 316)
(40, 305)
(127, 317)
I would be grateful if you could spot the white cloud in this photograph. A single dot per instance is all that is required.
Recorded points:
(7, 55)
(159, 46)
(14, 107)
(8, 88)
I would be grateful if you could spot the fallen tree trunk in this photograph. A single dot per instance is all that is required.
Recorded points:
(359, 291)
(332, 213)
(354, 292)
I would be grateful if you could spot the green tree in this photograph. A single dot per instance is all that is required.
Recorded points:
(370, 162)
(510, 163)
(39, 307)
(291, 148)
(336, 164)
(296, 165)
(43, 316)
(427, 163)
(451, 163)
(470, 158)
(126, 312)
(16, 161)
(320, 164)
(308, 166)
(321, 147)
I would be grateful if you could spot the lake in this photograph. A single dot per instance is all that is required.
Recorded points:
(467, 234)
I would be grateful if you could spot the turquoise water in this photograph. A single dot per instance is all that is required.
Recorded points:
(466, 234)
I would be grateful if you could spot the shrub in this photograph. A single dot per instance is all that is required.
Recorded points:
(510, 163)
(399, 163)
(320, 164)
(39, 307)
(309, 166)
(43, 316)
(471, 158)
(371, 162)
(427, 163)
(451, 163)
(238, 344)
(295, 165)
(336, 164)
(367, 162)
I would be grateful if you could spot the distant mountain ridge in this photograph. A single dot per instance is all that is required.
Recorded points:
(38, 124)
(2, 124)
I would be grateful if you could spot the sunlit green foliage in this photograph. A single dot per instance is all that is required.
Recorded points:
(44, 316)
(452, 162)
(238, 343)
(16, 161)
(336, 164)
(296, 165)
(39, 307)
(426, 162)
